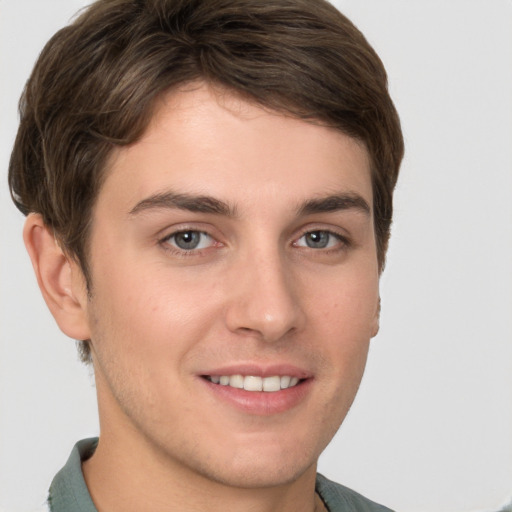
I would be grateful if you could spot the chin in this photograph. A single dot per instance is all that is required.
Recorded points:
(269, 462)
(258, 474)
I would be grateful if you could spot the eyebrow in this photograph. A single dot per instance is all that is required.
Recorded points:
(208, 204)
(192, 203)
(335, 202)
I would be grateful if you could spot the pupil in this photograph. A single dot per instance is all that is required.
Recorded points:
(317, 239)
(187, 240)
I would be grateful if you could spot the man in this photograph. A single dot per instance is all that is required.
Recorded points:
(208, 187)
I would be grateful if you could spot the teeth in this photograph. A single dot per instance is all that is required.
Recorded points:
(285, 381)
(236, 381)
(253, 383)
(272, 384)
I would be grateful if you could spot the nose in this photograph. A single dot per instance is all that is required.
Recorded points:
(264, 298)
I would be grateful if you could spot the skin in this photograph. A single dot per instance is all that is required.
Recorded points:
(253, 293)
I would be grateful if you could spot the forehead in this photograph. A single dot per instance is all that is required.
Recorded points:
(206, 140)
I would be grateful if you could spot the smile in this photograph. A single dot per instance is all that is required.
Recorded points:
(255, 383)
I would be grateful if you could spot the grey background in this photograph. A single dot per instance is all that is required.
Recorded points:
(431, 429)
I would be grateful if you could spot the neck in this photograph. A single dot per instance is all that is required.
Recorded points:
(139, 478)
(130, 471)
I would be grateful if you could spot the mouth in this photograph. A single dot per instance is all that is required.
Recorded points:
(269, 384)
(260, 390)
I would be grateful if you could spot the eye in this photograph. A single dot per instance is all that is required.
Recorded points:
(190, 240)
(319, 239)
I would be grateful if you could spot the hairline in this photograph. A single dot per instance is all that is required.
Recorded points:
(219, 89)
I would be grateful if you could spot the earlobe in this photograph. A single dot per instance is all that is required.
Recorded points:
(376, 321)
(60, 279)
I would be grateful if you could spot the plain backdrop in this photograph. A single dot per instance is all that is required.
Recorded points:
(431, 429)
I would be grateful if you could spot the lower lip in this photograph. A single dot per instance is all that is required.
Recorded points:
(261, 403)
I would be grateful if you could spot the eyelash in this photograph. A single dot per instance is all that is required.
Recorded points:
(343, 241)
(165, 242)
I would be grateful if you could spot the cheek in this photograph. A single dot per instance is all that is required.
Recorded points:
(152, 309)
(349, 306)
(344, 322)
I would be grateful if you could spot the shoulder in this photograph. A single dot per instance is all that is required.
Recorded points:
(339, 498)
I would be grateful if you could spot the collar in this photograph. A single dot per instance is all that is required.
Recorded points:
(68, 491)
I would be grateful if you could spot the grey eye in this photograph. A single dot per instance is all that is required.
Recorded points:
(188, 240)
(317, 239)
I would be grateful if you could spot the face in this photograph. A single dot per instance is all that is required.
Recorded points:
(234, 289)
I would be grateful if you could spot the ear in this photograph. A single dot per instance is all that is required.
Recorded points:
(376, 320)
(60, 279)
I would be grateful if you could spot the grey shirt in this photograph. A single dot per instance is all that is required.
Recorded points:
(69, 493)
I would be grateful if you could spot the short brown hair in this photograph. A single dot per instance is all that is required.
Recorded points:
(96, 82)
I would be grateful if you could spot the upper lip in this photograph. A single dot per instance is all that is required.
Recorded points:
(260, 370)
